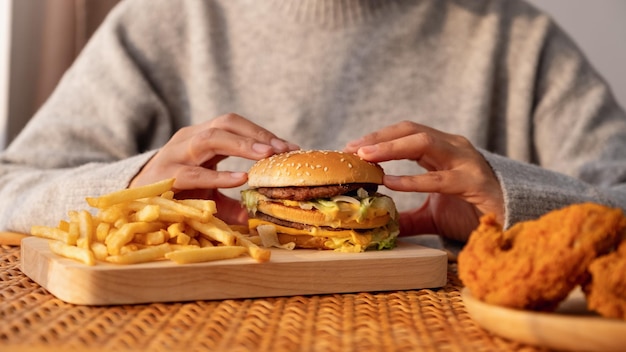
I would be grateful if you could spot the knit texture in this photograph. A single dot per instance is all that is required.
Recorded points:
(321, 73)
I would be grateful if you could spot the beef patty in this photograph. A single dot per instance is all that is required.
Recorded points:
(313, 192)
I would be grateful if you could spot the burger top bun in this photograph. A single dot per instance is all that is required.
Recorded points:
(313, 168)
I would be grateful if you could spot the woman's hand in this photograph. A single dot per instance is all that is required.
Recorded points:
(461, 183)
(192, 154)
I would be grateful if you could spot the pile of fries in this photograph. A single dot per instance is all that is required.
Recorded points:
(145, 224)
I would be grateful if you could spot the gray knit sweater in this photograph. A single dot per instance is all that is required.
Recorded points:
(320, 73)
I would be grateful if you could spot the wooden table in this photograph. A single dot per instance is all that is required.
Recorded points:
(416, 320)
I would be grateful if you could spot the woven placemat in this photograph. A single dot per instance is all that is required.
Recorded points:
(424, 320)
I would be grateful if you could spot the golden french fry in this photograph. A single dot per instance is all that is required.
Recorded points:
(53, 233)
(120, 222)
(129, 194)
(64, 225)
(177, 235)
(180, 247)
(99, 250)
(168, 195)
(168, 215)
(125, 234)
(221, 224)
(151, 238)
(185, 210)
(131, 247)
(102, 231)
(74, 229)
(165, 215)
(257, 253)
(143, 255)
(73, 252)
(85, 228)
(176, 229)
(203, 205)
(214, 232)
(147, 213)
(182, 239)
(114, 213)
(205, 254)
(204, 242)
(164, 234)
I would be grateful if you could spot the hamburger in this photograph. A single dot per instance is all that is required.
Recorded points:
(321, 200)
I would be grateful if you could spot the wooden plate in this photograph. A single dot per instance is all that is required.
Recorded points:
(297, 272)
(570, 327)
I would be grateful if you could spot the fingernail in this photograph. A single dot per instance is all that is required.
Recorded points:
(237, 175)
(368, 149)
(278, 145)
(261, 148)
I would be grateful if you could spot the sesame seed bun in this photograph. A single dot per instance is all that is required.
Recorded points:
(313, 168)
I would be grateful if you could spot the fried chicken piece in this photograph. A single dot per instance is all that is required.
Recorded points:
(535, 264)
(606, 291)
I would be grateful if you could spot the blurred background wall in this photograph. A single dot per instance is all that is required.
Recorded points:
(599, 28)
(40, 38)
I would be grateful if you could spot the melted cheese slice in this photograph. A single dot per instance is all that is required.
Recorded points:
(358, 238)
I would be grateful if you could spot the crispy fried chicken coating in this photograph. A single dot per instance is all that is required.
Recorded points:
(535, 264)
(606, 290)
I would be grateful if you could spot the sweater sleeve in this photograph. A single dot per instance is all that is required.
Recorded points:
(530, 191)
(99, 127)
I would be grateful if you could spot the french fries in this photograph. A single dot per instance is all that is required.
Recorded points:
(197, 255)
(73, 252)
(130, 194)
(147, 224)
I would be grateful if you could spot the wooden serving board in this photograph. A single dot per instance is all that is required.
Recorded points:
(297, 272)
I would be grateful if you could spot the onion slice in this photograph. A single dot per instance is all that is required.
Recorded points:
(269, 238)
(347, 199)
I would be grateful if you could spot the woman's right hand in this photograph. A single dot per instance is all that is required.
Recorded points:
(192, 154)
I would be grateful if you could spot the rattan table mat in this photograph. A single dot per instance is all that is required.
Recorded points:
(31, 319)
